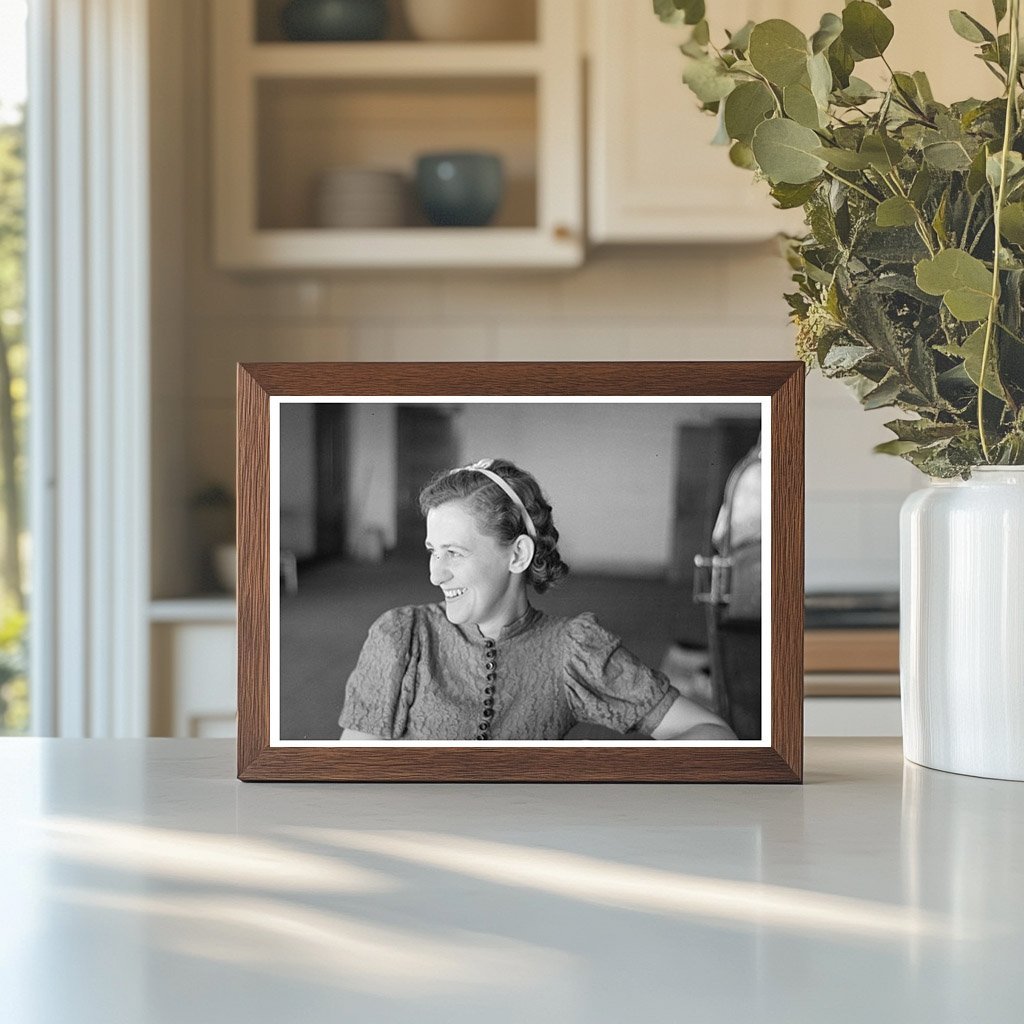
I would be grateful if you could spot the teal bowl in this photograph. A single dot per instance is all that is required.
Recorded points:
(460, 189)
(333, 21)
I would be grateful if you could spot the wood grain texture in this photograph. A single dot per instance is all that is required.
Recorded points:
(787, 490)
(252, 487)
(653, 762)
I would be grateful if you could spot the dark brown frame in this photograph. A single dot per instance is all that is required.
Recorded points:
(782, 761)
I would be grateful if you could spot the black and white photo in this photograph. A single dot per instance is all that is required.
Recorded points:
(520, 571)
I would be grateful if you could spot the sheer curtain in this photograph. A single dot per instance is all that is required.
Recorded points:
(88, 314)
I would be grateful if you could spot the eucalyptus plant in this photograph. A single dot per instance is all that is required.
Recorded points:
(910, 278)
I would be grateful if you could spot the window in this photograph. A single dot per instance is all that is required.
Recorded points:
(14, 548)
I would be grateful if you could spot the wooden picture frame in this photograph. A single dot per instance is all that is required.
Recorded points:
(776, 388)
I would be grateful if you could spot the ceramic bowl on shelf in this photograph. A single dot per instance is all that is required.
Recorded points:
(471, 20)
(334, 20)
(460, 189)
(361, 197)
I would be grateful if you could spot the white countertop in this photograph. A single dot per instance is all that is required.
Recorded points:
(143, 884)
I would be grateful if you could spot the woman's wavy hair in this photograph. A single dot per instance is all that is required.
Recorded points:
(497, 516)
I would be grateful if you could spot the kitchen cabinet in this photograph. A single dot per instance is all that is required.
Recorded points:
(193, 654)
(286, 113)
(653, 175)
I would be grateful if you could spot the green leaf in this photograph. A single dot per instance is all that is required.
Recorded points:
(800, 105)
(707, 80)
(739, 41)
(963, 281)
(745, 108)
(701, 33)
(866, 29)
(997, 53)
(830, 28)
(921, 185)
(885, 394)
(778, 50)
(976, 174)
(883, 153)
(968, 28)
(676, 12)
(999, 7)
(906, 88)
(820, 75)
(946, 156)
(694, 11)
(896, 212)
(858, 91)
(789, 197)
(742, 155)
(1011, 225)
(841, 60)
(994, 167)
(923, 431)
(939, 220)
(844, 159)
(971, 352)
(924, 88)
(785, 152)
(895, 447)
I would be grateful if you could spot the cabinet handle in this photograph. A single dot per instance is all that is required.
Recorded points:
(563, 232)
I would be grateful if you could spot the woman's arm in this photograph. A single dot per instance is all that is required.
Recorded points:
(355, 734)
(687, 720)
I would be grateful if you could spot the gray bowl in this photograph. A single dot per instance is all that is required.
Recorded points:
(334, 20)
(460, 189)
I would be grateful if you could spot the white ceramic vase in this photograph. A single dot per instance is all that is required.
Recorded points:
(962, 624)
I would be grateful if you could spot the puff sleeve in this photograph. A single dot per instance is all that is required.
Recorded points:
(379, 691)
(605, 684)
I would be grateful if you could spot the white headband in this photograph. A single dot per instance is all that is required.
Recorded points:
(484, 466)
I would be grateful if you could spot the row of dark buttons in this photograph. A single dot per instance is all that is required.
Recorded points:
(490, 664)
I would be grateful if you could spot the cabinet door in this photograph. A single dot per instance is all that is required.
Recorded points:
(653, 174)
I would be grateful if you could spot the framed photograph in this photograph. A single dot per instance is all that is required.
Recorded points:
(520, 572)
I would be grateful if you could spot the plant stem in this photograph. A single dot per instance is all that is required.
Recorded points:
(771, 90)
(1012, 334)
(855, 187)
(993, 309)
(922, 225)
(981, 231)
(908, 101)
(967, 220)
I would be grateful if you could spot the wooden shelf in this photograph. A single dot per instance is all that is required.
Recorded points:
(392, 60)
(851, 684)
(401, 247)
(852, 650)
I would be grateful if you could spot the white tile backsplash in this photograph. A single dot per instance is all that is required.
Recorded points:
(388, 296)
(715, 302)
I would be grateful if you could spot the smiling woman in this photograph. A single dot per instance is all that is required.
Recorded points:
(484, 664)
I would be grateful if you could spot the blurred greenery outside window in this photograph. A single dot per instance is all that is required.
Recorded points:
(14, 547)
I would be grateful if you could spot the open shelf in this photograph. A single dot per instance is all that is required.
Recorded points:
(287, 113)
(308, 127)
(520, 17)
